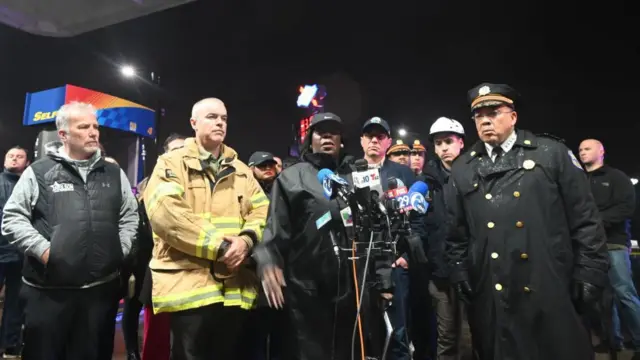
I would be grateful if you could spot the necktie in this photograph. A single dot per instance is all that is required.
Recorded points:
(498, 151)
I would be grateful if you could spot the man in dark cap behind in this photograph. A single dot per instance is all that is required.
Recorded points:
(265, 169)
(375, 141)
(418, 156)
(399, 153)
(262, 329)
(526, 247)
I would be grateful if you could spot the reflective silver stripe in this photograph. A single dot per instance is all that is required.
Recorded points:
(104, 280)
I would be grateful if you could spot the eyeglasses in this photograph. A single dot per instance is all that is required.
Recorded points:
(489, 115)
(400, 153)
(266, 166)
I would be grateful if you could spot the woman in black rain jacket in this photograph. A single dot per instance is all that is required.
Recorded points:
(297, 250)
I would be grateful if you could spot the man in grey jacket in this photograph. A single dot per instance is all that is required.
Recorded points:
(74, 217)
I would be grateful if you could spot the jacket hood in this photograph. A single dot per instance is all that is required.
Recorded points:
(55, 150)
(326, 161)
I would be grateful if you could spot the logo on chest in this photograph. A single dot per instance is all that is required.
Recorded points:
(61, 187)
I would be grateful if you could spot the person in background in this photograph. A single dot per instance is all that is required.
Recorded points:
(265, 169)
(74, 217)
(264, 323)
(207, 212)
(156, 343)
(278, 164)
(399, 153)
(417, 157)
(376, 142)
(614, 194)
(16, 161)
(447, 136)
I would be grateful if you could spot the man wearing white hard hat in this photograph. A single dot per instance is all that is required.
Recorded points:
(447, 136)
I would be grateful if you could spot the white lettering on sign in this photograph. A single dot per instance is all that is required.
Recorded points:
(57, 187)
(369, 178)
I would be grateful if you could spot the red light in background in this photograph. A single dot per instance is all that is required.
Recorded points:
(304, 128)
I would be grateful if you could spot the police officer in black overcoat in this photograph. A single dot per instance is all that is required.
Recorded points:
(527, 249)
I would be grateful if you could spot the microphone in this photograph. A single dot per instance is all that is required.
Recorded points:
(367, 185)
(406, 200)
(396, 188)
(332, 183)
(420, 187)
(416, 197)
(361, 165)
(363, 193)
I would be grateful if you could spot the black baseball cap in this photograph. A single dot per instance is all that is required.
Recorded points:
(321, 117)
(377, 121)
(261, 157)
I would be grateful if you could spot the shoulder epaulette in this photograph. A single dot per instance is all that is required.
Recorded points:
(551, 136)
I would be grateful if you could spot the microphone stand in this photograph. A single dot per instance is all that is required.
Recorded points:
(372, 268)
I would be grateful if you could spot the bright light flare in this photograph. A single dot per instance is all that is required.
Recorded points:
(128, 71)
(402, 132)
(634, 181)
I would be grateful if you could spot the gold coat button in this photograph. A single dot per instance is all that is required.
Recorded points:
(519, 224)
(488, 196)
(499, 287)
(516, 194)
(524, 256)
(475, 185)
(490, 225)
(527, 289)
(494, 255)
(527, 142)
(473, 153)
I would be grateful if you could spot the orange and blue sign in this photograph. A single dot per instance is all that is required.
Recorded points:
(113, 112)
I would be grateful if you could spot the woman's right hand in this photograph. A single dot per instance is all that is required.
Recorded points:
(272, 283)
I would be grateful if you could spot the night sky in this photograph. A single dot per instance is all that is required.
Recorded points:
(577, 68)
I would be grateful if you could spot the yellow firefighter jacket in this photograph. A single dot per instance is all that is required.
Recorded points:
(190, 210)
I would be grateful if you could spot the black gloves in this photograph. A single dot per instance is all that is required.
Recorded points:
(463, 289)
(585, 294)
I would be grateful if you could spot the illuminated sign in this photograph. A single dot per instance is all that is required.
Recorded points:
(311, 98)
(304, 128)
(41, 116)
(113, 112)
(307, 96)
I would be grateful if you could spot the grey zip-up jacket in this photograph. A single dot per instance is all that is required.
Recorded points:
(17, 220)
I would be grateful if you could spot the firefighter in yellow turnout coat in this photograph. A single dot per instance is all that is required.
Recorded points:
(196, 204)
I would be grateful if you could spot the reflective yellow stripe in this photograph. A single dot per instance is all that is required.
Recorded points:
(226, 225)
(259, 200)
(245, 299)
(162, 190)
(207, 242)
(188, 300)
(257, 226)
